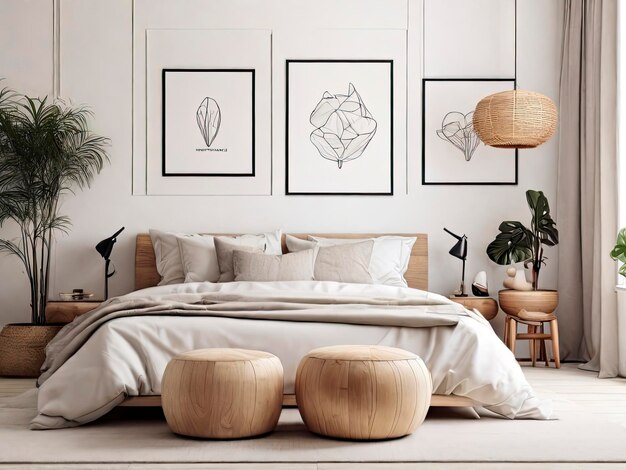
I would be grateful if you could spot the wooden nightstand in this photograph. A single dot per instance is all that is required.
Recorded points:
(487, 306)
(65, 311)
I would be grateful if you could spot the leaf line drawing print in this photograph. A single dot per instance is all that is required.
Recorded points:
(209, 118)
(343, 126)
(458, 129)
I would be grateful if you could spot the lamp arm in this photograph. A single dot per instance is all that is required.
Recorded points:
(458, 237)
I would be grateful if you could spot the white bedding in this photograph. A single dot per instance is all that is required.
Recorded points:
(127, 354)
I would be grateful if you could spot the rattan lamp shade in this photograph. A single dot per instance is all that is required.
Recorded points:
(515, 119)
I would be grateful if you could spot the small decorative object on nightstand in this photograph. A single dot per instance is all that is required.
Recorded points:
(64, 311)
(487, 306)
(480, 286)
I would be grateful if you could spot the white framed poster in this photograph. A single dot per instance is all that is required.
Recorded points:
(208, 113)
(452, 152)
(208, 122)
(339, 127)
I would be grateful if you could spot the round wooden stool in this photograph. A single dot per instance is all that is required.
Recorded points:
(222, 393)
(536, 334)
(363, 392)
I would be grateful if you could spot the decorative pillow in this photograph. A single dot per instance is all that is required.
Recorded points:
(390, 256)
(168, 261)
(344, 263)
(199, 259)
(297, 244)
(250, 266)
(224, 247)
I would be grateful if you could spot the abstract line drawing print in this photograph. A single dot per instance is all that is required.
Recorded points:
(458, 129)
(209, 118)
(343, 126)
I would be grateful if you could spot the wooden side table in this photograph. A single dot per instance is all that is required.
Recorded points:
(487, 306)
(58, 311)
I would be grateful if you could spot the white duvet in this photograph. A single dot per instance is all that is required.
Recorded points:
(121, 349)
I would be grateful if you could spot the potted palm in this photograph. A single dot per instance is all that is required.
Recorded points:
(46, 152)
(517, 243)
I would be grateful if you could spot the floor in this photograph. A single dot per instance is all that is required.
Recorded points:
(603, 399)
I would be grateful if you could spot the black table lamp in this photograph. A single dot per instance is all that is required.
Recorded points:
(104, 248)
(459, 250)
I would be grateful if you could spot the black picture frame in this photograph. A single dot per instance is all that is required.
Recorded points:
(164, 172)
(515, 182)
(289, 192)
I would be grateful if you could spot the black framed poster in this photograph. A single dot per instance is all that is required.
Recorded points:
(208, 122)
(452, 152)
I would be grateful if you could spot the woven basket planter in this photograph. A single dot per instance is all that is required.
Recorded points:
(23, 348)
(515, 119)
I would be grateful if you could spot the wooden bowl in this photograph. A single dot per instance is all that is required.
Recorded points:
(512, 301)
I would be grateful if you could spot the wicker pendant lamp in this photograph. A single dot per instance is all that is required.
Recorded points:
(515, 119)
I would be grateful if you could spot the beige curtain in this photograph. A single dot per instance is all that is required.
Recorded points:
(587, 185)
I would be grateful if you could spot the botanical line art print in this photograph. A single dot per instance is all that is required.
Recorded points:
(209, 118)
(343, 126)
(458, 129)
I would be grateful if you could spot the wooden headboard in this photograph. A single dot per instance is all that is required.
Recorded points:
(146, 274)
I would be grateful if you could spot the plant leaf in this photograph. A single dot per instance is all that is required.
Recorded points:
(618, 252)
(542, 221)
(512, 245)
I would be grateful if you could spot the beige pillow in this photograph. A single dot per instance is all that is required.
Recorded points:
(224, 248)
(249, 266)
(344, 263)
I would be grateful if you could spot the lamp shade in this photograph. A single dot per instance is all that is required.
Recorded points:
(105, 246)
(515, 119)
(459, 250)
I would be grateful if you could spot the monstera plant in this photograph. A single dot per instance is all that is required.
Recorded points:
(517, 243)
(618, 253)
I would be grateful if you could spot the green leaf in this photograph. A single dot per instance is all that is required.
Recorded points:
(542, 221)
(618, 252)
(512, 245)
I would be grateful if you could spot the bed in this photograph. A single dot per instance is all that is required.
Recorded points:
(470, 365)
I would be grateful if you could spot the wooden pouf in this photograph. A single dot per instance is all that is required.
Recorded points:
(222, 393)
(363, 392)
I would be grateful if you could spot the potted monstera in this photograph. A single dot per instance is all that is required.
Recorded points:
(619, 254)
(46, 152)
(517, 243)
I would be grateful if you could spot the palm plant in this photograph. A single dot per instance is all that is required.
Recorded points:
(46, 151)
(516, 243)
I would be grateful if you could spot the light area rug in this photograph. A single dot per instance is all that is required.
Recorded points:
(141, 435)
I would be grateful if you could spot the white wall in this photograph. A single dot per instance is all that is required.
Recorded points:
(96, 68)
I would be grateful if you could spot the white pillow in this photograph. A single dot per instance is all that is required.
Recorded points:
(168, 262)
(390, 256)
(199, 260)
